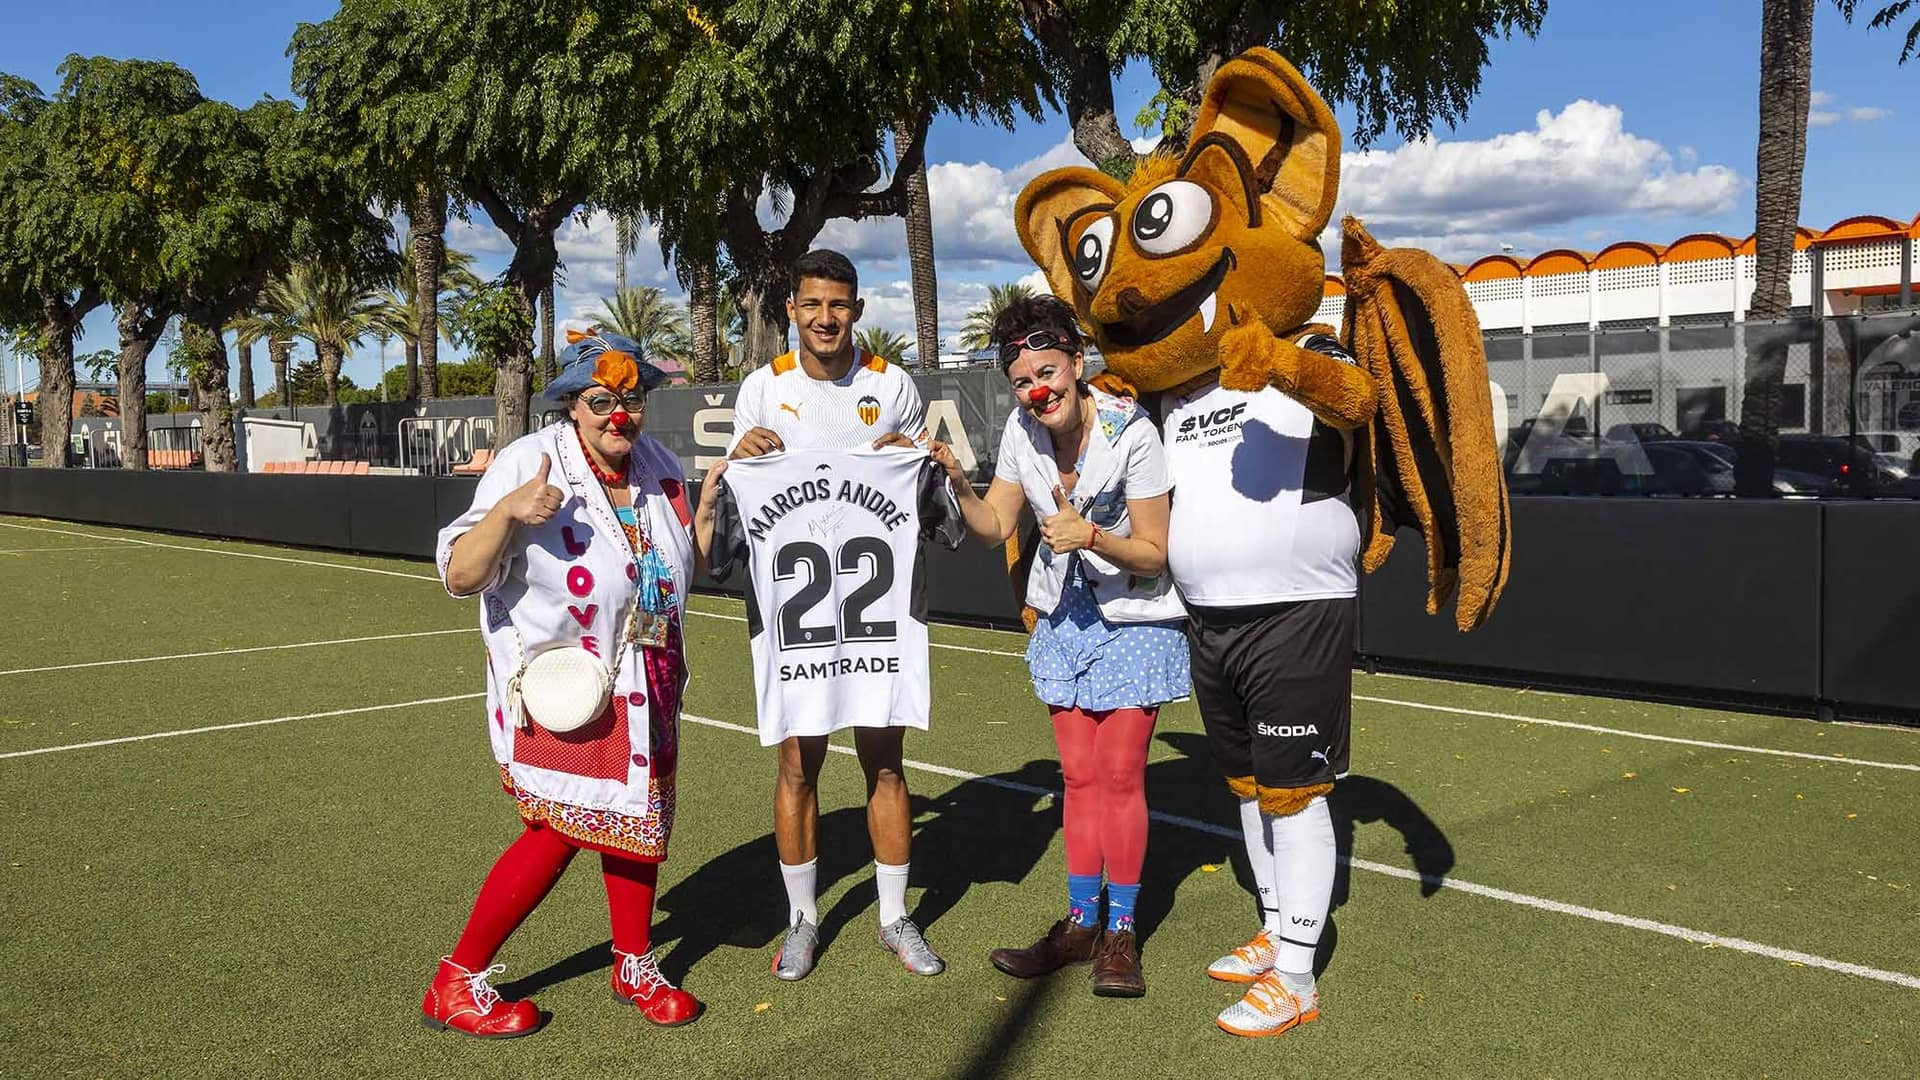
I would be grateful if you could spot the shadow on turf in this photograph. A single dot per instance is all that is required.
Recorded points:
(992, 829)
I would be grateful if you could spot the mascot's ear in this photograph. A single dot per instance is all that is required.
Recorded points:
(1258, 104)
(1046, 209)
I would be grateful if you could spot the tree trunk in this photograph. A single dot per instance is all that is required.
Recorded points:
(529, 273)
(1089, 87)
(244, 350)
(280, 353)
(54, 404)
(330, 358)
(140, 329)
(763, 301)
(513, 385)
(413, 369)
(703, 320)
(209, 379)
(926, 289)
(1786, 76)
(428, 216)
(547, 334)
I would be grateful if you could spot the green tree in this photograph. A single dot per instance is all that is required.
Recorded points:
(50, 275)
(656, 324)
(977, 331)
(1408, 65)
(277, 331)
(1886, 17)
(795, 99)
(525, 111)
(401, 317)
(883, 343)
(328, 307)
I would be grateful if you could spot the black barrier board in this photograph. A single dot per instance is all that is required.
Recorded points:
(1870, 630)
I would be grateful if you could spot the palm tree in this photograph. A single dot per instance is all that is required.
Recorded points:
(883, 343)
(655, 323)
(926, 287)
(1786, 88)
(1886, 17)
(428, 259)
(277, 331)
(327, 307)
(400, 317)
(977, 331)
(626, 241)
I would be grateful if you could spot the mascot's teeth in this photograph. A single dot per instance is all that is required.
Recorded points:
(1206, 311)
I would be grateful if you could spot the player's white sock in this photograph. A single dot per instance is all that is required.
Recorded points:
(1259, 838)
(799, 880)
(892, 883)
(1303, 860)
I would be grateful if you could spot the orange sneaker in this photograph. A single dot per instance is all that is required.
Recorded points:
(1269, 1008)
(1246, 963)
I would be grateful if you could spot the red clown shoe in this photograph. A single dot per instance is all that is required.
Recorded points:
(637, 978)
(460, 1000)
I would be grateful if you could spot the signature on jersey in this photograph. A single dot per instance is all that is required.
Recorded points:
(827, 524)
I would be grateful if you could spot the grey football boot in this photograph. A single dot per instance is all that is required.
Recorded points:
(794, 961)
(904, 940)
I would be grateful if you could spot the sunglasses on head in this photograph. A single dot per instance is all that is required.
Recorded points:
(1037, 341)
(602, 403)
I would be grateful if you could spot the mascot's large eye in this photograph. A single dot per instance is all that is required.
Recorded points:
(1172, 217)
(1092, 253)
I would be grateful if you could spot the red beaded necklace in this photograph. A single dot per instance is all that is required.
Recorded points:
(611, 479)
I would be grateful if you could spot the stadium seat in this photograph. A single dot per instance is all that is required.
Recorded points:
(476, 465)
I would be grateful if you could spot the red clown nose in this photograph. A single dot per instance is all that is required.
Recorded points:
(1039, 394)
(621, 419)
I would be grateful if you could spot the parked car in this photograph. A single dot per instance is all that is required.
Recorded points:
(1720, 431)
(1645, 433)
(1854, 467)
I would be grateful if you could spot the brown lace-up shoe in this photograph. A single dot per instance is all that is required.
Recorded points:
(1116, 967)
(1067, 942)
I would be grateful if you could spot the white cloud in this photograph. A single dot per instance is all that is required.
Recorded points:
(1861, 114)
(1822, 118)
(1819, 98)
(1463, 198)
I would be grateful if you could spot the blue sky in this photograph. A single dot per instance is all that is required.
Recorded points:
(1630, 119)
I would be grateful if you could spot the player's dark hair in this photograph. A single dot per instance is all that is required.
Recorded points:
(1043, 312)
(827, 265)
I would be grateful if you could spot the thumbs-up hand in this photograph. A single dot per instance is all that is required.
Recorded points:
(1065, 531)
(536, 501)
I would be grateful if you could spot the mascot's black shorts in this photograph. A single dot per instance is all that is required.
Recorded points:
(1275, 688)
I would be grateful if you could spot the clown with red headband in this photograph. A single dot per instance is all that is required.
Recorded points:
(1107, 648)
(581, 544)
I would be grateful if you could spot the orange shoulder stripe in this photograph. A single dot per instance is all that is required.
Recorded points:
(784, 363)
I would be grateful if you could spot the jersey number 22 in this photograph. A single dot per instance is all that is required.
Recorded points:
(859, 553)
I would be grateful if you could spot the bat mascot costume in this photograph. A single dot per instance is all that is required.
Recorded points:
(1296, 452)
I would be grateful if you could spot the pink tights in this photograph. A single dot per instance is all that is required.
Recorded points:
(1104, 759)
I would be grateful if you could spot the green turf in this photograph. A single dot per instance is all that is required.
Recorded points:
(270, 900)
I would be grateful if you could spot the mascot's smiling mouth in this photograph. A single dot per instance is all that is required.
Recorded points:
(1150, 324)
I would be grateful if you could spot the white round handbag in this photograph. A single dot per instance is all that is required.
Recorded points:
(565, 687)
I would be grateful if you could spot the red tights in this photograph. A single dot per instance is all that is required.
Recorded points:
(527, 871)
(1104, 759)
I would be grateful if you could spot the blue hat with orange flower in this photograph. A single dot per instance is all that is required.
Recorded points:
(610, 360)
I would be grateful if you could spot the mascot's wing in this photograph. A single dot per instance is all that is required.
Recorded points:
(1430, 458)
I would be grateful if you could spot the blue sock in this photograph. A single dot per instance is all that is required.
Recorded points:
(1083, 899)
(1120, 901)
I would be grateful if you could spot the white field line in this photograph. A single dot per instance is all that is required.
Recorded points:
(236, 652)
(56, 550)
(1839, 759)
(1538, 903)
(1698, 937)
(1566, 724)
(218, 551)
(97, 743)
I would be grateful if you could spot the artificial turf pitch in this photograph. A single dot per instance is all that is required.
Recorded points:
(270, 899)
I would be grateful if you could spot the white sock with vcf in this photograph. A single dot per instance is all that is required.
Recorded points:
(1304, 859)
(1259, 837)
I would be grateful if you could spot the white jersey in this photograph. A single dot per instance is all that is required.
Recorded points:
(873, 398)
(1260, 508)
(836, 609)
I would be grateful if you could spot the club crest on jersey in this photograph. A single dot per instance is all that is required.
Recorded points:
(870, 410)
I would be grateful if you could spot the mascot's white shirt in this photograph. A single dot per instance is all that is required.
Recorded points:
(1243, 530)
(570, 581)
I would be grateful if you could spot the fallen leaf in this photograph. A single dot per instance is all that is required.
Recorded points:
(1850, 817)
(1681, 790)
(1629, 776)
(1208, 868)
(763, 1006)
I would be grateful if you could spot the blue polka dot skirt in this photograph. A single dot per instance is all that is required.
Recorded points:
(1078, 658)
